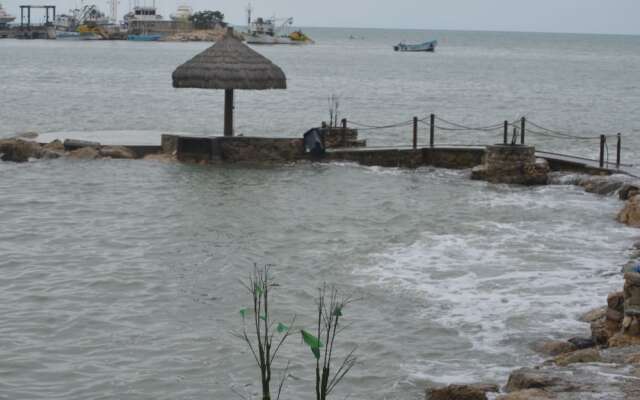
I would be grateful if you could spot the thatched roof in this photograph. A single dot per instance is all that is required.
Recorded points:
(229, 64)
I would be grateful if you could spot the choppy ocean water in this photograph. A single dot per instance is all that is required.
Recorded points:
(120, 278)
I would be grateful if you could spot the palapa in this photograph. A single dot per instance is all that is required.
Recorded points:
(229, 64)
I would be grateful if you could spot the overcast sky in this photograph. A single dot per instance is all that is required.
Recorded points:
(584, 16)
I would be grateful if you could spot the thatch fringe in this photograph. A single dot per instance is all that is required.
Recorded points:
(229, 64)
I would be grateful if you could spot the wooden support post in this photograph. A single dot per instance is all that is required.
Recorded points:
(522, 125)
(344, 123)
(618, 150)
(506, 132)
(228, 112)
(603, 141)
(415, 133)
(432, 130)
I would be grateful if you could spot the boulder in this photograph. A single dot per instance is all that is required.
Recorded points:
(601, 185)
(528, 378)
(554, 347)
(119, 152)
(630, 214)
(55, 145)
(602, 330)
(627, 191)
(633, 359)
(623, 340)
(85, 153)
(461, 392)
(594, 314)
(615, 301)
(17, 150)
(47, 154)
(582, 343)
(527, 394)
(613, 315)
(580, 356)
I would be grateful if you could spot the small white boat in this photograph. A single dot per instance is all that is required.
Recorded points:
(426, 46)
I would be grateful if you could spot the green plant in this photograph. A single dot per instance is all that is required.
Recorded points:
(330, 311)
(207, 19)
(261, 342)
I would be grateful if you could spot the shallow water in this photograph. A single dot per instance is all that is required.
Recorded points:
(120, 278)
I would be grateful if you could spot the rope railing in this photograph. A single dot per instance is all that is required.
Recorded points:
(515, 130)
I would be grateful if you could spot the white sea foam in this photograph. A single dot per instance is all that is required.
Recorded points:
(501, 285)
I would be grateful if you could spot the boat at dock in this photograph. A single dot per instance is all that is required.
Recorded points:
(144, 38)
(422, 47)
(65, 35)
(5, 17)
(267, 31)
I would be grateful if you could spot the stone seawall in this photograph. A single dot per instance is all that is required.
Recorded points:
(453, 158)
(236, 149)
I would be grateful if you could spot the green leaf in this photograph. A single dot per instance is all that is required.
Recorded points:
(243, 312)
(258, 290)
(338, 311)
(313, 342)
(282, 327)
(263, 317)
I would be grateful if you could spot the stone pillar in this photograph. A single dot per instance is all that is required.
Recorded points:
(631, 322)
(515, 164)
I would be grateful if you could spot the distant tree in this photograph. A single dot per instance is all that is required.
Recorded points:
(207, 19)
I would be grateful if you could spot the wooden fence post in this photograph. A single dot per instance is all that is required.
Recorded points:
(432, 130)
(506, 132)
(618, 150)
(415, 133)
(603, 141)
(522, 125)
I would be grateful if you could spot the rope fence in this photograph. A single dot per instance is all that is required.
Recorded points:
(513, 132)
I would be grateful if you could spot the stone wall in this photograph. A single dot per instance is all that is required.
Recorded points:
(512, 164)
(257, 149)
(233, 149)
(340, 137)
(453, 158)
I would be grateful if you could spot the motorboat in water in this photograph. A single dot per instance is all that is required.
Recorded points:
(426, 46)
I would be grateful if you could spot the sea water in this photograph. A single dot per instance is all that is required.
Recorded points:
(121, 279)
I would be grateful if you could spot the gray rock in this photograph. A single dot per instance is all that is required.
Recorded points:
(581, 356)
(461, 392)
(119, 152)
(582, 343)
(529, 378)
(84, 153)
(627, 191)
(18, 150)
(554, 347)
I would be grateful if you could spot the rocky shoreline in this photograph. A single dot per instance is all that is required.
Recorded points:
(603, 366)
(21, 150)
